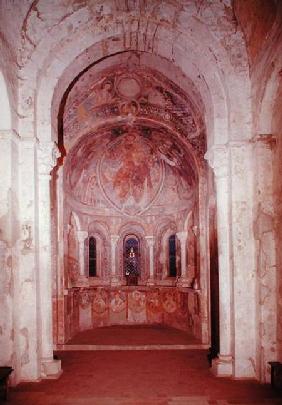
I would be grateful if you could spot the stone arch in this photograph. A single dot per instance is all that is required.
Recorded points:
(162, 233)
(215, 127)
(268, 89)
(115, 41)
(100, 231)
(74, 221)
(189, 219)
(132, 228)
(215, 70)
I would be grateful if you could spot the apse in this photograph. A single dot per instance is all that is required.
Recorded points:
(130, 199)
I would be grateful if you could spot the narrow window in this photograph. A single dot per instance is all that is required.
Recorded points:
(131, 260)
(172, 256)
(131, 248)
(92, 257)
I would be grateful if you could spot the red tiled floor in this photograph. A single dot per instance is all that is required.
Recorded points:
(168, 377)
(138, 375)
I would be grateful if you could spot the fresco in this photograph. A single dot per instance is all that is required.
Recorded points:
(137, 307)
(154, 306)
(118, 94)
(130, 173)
(123, 305)
(118, 306)
(130, 169)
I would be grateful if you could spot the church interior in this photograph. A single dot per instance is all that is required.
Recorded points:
(140, 198)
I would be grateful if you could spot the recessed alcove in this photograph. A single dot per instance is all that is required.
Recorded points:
(131, 200)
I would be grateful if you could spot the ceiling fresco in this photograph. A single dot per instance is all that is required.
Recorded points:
(131, 170)
(130, 93)
(129, 134)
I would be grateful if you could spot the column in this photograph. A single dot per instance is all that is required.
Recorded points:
(264, 230)
(218, 158)
(81, 236)
(193, 279)
(150, 242)
(27, 317)
(184, 280)
(60, 294)
(47, 154)
(9, 234)
(243, 258)
(115, 279)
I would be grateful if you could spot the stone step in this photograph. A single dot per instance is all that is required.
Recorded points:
(76, 347)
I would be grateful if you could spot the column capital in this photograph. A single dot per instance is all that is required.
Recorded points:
(150, 240)
(114, 238)
(182, 236)
(47, 155)
(82, 235)
(218, 159)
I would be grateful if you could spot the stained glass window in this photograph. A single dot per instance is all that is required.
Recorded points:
(131, 252)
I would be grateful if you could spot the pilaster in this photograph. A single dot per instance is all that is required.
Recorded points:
(27, 320)
(218, 158)
(115, 279)
(150, 242)
(46, 159)
(81, 236)
(9, 234)
(185, 279)
(243, 254)
(264, 231)
(59, 294)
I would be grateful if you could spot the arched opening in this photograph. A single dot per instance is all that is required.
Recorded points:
(131, 164)
(172, 256)
(131, 253)
(92, 257)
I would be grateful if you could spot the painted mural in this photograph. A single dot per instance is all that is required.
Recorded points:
(160, 305)
(130, 169)
(126, 95)
(130, 173)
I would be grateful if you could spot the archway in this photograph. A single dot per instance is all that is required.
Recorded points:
(131, 261)
(134, 143)
(201, 47)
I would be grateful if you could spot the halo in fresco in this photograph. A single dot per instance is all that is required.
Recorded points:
(131, 174)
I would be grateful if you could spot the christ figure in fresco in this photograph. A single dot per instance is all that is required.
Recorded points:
(135, 168)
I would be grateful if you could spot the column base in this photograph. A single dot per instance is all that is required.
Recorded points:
(51, 369)
(115, 281)
(222, 366)
(150, 281)
(184, 282)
